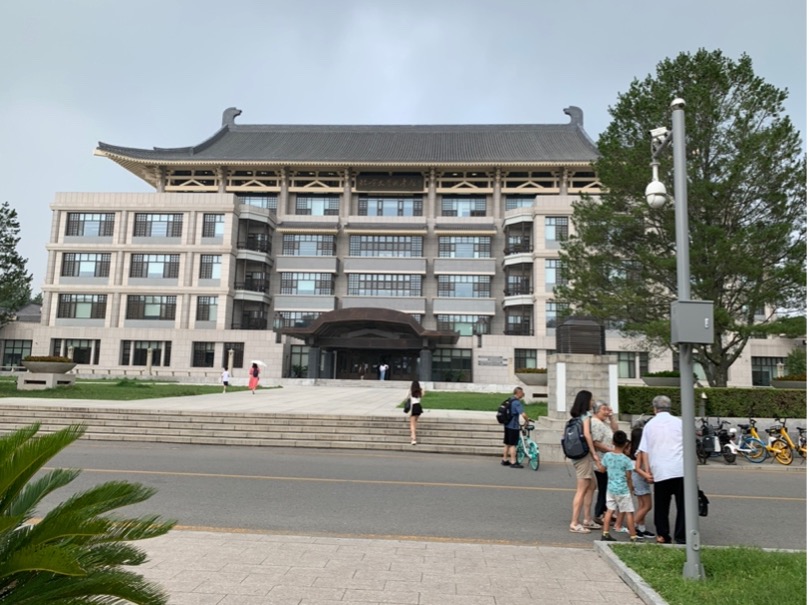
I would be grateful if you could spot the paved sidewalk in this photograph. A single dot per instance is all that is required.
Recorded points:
(210, 568)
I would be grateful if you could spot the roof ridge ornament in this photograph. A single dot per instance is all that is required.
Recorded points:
(576, 115)
(229, 116)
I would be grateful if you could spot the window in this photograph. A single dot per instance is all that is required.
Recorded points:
(518, 284)
(464, 247)
(311, 284)
(151, 307)
(463, 324)
(553, 272)
(90, 225)
(83, 351)
(210, 266)
(14, 351)
(374, 284)
(298, 319)
(317, 205)
(473, 205)
(158, 225)
(554, 313)
(525, 358)
(202, 356)
(136, 352)
(268, 202)
(155, 266)
(626, 365)
(452, 365)
(298, 361)
(390, 206)
(238, 354)
(308, 245)
(520, 201)
(555, 228)
(213, 225)
(464, 286)
(518, 322)
(764, 369)
(207, 308)
(82, 306)
(386, 245)
(85, 265)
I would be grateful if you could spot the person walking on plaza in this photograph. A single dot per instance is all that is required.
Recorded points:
(662, 446)
(225, 380)
(383, 370)
(511, 430)
(602, 426)
(415, 394)
(619, 487)
(254, 373)
(585, 480)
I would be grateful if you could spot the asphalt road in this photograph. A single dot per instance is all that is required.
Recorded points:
(362, 494)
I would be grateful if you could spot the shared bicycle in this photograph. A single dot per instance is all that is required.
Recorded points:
(527, 447)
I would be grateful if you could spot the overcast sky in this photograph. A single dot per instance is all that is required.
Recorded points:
(160, 72)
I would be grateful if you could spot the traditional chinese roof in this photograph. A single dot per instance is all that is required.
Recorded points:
(422, 145)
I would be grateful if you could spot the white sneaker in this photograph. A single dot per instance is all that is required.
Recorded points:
(413, 442)
(622, 530)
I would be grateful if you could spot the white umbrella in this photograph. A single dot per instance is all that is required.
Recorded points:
(259, 363)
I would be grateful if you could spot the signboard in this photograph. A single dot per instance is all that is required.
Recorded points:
(377, 181)
(492, 360)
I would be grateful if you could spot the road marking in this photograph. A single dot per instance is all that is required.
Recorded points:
(389, 482)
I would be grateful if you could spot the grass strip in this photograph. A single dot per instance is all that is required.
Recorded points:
(734, 576)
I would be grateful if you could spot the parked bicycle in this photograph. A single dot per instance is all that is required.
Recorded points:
(749, 444)
(527, 447)
(781, 444)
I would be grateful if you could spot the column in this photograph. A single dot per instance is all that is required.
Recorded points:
(222, 178)
(497, 210)
(313, 370)
(345, 206)
(283, 197)
(328, 362)
(426, 365)
(429, 209)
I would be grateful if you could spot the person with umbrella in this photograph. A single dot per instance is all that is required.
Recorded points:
(254, 374)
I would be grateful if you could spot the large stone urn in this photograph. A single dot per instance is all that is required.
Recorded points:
(49, 367)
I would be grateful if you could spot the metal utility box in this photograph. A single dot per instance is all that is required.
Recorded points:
(580, 335)
(692, 322)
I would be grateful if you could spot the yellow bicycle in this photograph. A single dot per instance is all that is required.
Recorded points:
(781, 445)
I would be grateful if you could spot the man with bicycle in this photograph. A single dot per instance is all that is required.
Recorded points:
(662, 441)
(511, 430)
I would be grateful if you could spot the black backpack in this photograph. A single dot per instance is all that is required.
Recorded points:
(574, 445)
(504, 414)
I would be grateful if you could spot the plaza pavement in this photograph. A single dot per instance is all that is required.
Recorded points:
(208, 567)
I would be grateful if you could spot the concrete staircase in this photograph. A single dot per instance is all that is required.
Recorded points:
(454, 435)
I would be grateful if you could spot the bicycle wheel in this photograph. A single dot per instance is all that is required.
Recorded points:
(533, 456)
(728, 455)
(756, 450)
(782, 452)
(520, 452)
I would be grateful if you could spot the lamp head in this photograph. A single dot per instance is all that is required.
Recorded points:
(656, 194)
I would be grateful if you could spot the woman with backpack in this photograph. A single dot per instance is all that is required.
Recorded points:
(585, 479)
(253, 383)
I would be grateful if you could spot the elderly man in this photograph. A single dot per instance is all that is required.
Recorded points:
(662, 442)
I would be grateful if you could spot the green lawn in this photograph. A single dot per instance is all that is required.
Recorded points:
(115, 390)
(733, 576)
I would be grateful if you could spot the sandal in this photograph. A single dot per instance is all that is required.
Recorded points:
(591, 525)
(578, 529)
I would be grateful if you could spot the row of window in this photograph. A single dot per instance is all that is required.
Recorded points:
(146, 224)
(142, 265)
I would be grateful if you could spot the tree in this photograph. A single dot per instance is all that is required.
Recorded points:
(15, 281)
(746, 210)
(73, 556)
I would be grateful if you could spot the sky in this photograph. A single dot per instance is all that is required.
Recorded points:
(159, 73)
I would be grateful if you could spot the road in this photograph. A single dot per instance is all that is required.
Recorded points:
(411, 494)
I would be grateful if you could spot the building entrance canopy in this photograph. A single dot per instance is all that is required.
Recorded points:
(370, 329)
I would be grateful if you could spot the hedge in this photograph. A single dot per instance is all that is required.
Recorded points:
(726, 402)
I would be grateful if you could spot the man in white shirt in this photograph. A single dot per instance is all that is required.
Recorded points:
(662, 442)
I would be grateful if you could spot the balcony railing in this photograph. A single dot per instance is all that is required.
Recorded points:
(518, 249)
(518, 290)
(253, 285)
(258, 244)
(257, 323)
(518, 331)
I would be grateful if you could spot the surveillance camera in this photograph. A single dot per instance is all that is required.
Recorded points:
(659, 135)
(678, 103)
(656, 194)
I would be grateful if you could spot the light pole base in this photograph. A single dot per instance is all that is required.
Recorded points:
(693, 571)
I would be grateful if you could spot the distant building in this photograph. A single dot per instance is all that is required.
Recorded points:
(325, 251)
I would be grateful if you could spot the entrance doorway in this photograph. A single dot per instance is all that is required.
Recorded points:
(354, 364)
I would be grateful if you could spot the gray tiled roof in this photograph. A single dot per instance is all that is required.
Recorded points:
(487, 143)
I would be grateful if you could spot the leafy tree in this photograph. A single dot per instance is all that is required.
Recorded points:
(15, 281)
(37, 300)
(73, 556)
(746, 210)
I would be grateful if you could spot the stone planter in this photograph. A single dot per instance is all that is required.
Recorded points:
(49, 367)
(661, 381)
(533, 379)
(788, 384)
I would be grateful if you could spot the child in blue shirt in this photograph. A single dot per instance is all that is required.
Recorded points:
(619, 487)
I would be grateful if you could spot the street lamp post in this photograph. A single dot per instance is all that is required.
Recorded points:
(480, 329)
(691, 321)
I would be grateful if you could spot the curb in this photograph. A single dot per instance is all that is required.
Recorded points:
(630, 578)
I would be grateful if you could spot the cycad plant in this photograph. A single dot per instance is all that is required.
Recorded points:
(75, 553)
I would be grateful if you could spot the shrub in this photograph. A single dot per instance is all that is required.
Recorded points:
(795, 377)
(47, 358)
(531, 371)
(795, 363)
(663, 374)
